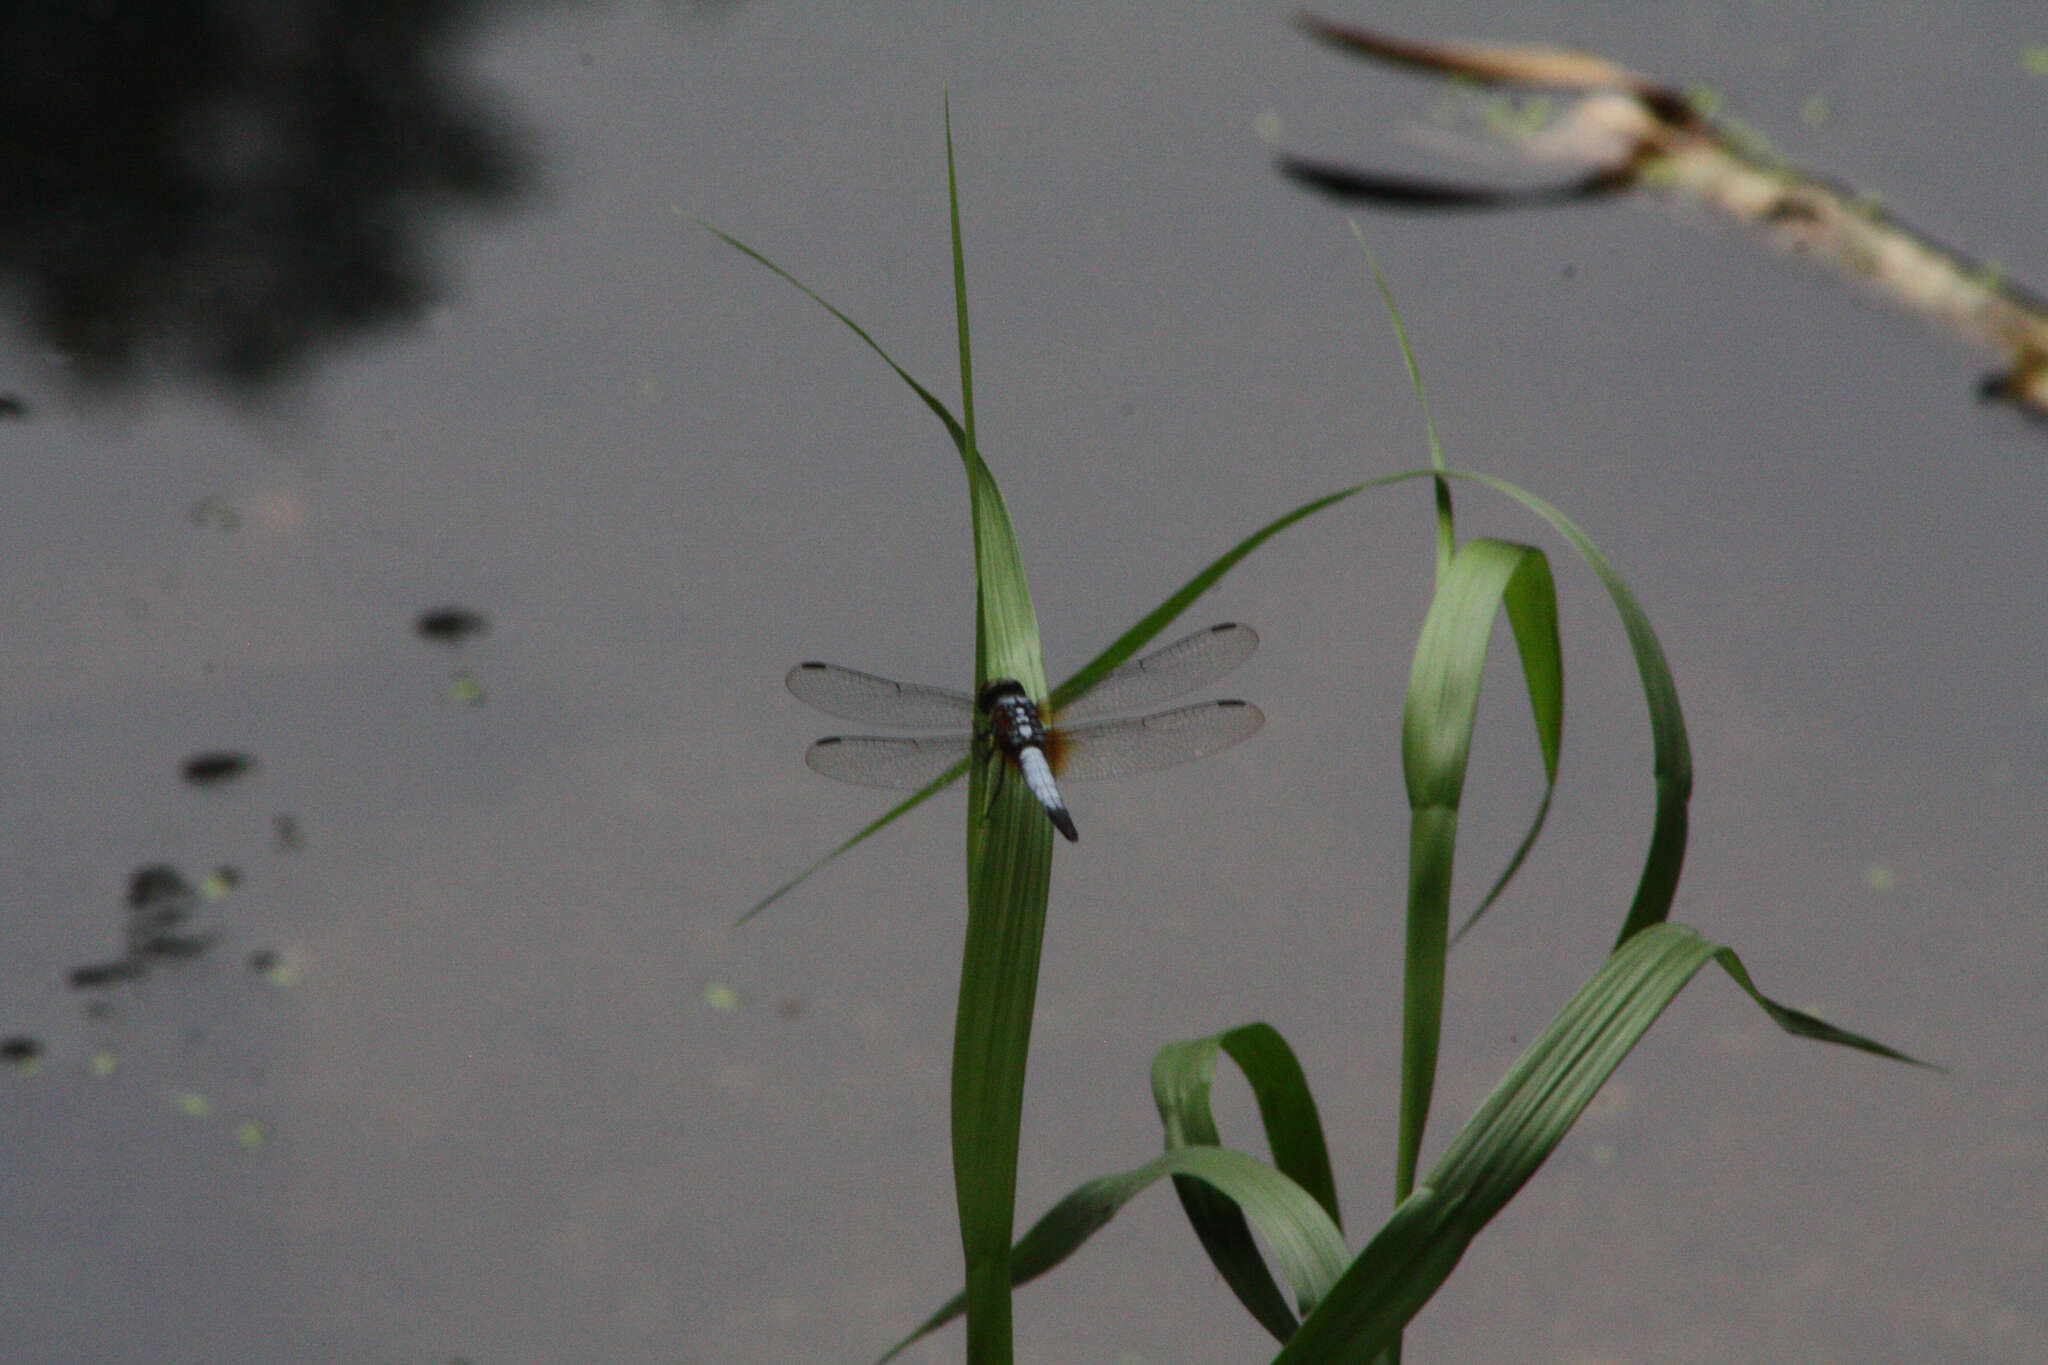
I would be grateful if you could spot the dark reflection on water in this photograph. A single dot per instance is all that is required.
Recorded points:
(450, 625)
(225, 191)
(215, 767)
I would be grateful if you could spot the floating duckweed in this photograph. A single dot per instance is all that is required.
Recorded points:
(214, 514)
(274, 968)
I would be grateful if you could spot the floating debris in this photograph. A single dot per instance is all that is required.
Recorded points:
(13, 407)
(1633, 132)
(156, 883)
(20, 1050)
(450, 625)
(160, 906)
(287, 833)
(174, 946)
(100, 975)
(211, 769)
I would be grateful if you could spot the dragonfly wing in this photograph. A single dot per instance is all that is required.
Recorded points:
(853, 695)
(1179, 668)
(892, 764)
(1146, 744)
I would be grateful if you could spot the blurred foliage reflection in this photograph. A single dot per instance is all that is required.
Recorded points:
(224, 190)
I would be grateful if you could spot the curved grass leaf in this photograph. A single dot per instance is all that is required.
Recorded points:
(1182, 1076)
(1514, 1132)
(1305, 1242)
(1436, 739)
(1671, 753)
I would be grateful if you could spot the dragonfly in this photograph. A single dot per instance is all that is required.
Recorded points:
(1042, 750)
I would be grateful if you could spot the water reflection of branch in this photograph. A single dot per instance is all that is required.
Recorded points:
(1630, 131)
(228, 190)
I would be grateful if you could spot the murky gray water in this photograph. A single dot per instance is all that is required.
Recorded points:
(503, 1085)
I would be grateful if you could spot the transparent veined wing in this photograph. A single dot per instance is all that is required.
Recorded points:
(853, 695)
(891, 764)
(1147, 744)
(1194, 661)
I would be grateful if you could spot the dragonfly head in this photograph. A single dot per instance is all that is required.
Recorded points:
(999, 690)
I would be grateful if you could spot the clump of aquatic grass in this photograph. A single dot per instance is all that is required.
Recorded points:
(1337, 1305)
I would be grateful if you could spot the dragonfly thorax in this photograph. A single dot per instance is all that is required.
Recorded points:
(1013, 720)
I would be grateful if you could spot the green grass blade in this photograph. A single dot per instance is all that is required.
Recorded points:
(1446, 531)
(1306, 1244)
(1515, 1130)
(889, 817)
(1436, 740)
(1182, 1076)
(1128, 644)
(1671, 753)
(1009, 882)
(931, 401)
(1009, 855)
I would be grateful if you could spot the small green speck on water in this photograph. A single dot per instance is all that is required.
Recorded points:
(194, 1105)
(465, 690)
(251, 1134)
(1816, 111)
(215, 514)
(721, 997)
(103, 1065)
(2034, 59)
(1880, 878)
